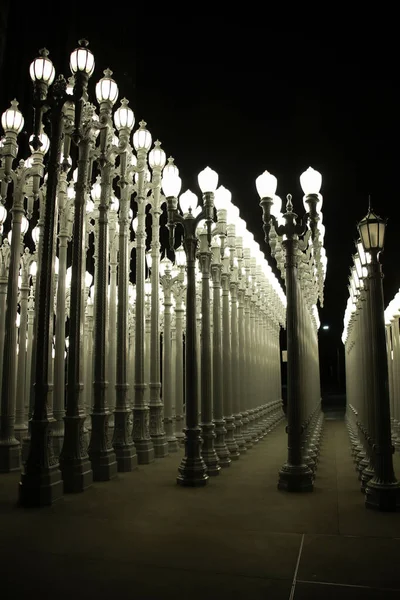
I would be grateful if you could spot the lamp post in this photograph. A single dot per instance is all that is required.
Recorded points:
(193, 470)
(383, 490)
(141, 430)
(41, 481)
(157, 161)
(122, 441)
(74, 460)
(168, 279)
(295, 475)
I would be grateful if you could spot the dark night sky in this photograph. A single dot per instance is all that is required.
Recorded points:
(242, 99)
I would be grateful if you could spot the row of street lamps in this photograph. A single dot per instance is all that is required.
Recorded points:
(367, 375)
(245, 329)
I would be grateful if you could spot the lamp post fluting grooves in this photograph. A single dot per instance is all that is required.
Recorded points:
(207, 426)
(383, 490)
(141, 431)
(218, 390)
(122, 438)
(226, 364)
(41, 482)
(157, 161)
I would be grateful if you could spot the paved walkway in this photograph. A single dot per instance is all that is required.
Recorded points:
(143, 536)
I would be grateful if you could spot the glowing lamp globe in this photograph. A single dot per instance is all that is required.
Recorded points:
(142, 137)
(157, 157)
(171, 184)
(310, 181)
(208, 180)
(106, 88)
(222, 198)
(82, 59)
(124, 117)
(188, 202)
(12, 119)
(42, 69)
(266, 185)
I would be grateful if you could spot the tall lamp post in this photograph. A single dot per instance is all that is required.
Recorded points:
(193, 470)
(295, 475)
(383, 490)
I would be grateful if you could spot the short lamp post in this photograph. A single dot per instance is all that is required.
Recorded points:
(193, 470)
(295, 475)
(383, 490)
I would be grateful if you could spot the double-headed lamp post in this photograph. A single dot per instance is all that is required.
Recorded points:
(193, 470)
(383, 490)
(295, 475)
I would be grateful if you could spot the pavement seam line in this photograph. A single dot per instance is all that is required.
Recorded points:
(350, 585)
(292, 589)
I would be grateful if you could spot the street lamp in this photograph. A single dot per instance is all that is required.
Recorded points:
(383, 490)
(295, 475)
(193, 470)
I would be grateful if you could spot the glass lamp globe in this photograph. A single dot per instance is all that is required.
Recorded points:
(170, 168)
(222, 198)
(82, 59)
(372, 232)
(142, 137)
(106, 88)
(88, 279)
(124, 116)
(171, 184)
(114, 206)
(45, 143)
(157, 157)
(33, 268)
(3, 214)
(42, 69)
(310, 181)
(188, 201)
(149, 259)
(208, 180)
(96, 191)
(266, 185)
(165, 266)
(24, 225)
(180, 257)
(12, 119)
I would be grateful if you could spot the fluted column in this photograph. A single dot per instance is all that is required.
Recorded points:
(9, 445)
(157, 432)
(21, 413)
(248, 435)
(112, 314)
(65, 215)
(241, 442)
(101, 452)
(218, 389)
(123, 444)
(74, 460)
(179, 382)
(167, 386)
(295, 475)
(227, 365)
(141, 427)
(209, 454)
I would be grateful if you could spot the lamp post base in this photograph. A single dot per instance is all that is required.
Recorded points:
(160, 445)
(295, 478)
(10, 456)
(193, 469)
(382, 496)
(192, 472)
(40, 489)
(208, 452)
